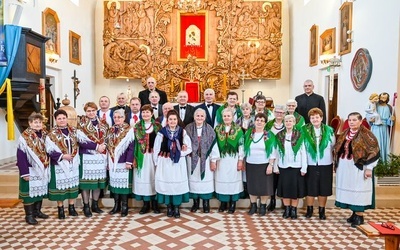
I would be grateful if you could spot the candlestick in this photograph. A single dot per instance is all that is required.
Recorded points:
(42, 93)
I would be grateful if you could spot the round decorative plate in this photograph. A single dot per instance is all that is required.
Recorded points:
(361, 69)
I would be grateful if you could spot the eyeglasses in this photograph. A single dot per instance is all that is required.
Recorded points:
(388, 226)
(260, 102)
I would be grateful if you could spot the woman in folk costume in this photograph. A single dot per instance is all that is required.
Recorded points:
(120, 159)
(291, 167)
(276, 125)
(62, 147)
(291, 106)
(259, 147)
(92, 151)
(202, 161)
(33, 162)
(319, 140)
(356, 153)
(171, 146)
(228, 175)
(144, 169)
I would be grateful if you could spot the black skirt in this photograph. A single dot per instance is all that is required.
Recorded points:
(319, 180)
(291, 184)
(258, 182)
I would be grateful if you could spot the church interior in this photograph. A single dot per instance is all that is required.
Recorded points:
(71, 52)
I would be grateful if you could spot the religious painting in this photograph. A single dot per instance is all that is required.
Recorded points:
(51, 29)
(74, 48)
(313, 45)
(327, 42)
(361, 69)
(192, 36)
(346, 12)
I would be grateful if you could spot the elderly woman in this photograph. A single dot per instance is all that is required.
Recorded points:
(33, 163)
(291, 106)
(143, 181)
(228, 176)
(356, 153)
(62, 147)
(120, 159)
(259, 147)
(319, 140)
(92, 151)
(171, 146)
(275, 125)
(202, 161)
(291, 167)
(260, 104)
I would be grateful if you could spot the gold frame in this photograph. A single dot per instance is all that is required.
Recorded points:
(178, 20)
(48, 30)
(327, 42)
(74, 48)
(313, 53)
(346, 20)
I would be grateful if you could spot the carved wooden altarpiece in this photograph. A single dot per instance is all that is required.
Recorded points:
(142, 38)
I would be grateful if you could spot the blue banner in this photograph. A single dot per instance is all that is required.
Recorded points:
(3, 57)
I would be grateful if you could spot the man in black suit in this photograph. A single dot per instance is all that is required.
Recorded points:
(184, 109)
(151, 86)
(121, 104)
(154, 99)
(134, 116)
(310, 100)
(209, 106)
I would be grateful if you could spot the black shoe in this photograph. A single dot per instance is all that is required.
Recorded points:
(29, 218)
(86, 210)
(170, 210)
(286, 212)
(146, 207)
(177, 214)
(37, 207)
(358, 220)
(117, 204)
(232, 207)
(321, 212)
(263, 210)
(223, 206)
(154, 206)
(206, 206)
(196, 204)
(351, 218)
(253, 208)
(61, 213)
(71, 210)
(293, 213)
(96, 208)
(272, 204)
(124, 205)
(310, 210)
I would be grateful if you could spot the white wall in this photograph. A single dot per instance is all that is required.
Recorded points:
(376, 28)
(79, 19)
(278, 89)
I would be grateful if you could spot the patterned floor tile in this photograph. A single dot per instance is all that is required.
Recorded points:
(191, 231)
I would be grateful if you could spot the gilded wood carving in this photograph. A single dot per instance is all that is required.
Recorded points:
(141, 39)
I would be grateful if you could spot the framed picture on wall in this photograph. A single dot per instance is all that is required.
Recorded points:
(74, 48)
(313, 45)
(327, 42)
(346, 16)
(192, 35)
(51, 29)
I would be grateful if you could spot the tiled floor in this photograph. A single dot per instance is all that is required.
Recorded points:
(191, 231)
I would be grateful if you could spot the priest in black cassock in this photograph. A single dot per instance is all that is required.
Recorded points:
(310, 100)
(151, 86)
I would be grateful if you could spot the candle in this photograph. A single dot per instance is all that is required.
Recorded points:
(171, 86)
(42, 93)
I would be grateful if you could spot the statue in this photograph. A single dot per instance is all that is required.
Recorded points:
(372, 115)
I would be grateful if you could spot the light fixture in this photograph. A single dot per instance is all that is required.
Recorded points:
(53, 57)
(189, 5)
(349, 40)
(349, 32)
(335, 61)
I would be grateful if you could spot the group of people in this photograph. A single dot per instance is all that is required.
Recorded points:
(159, 153)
